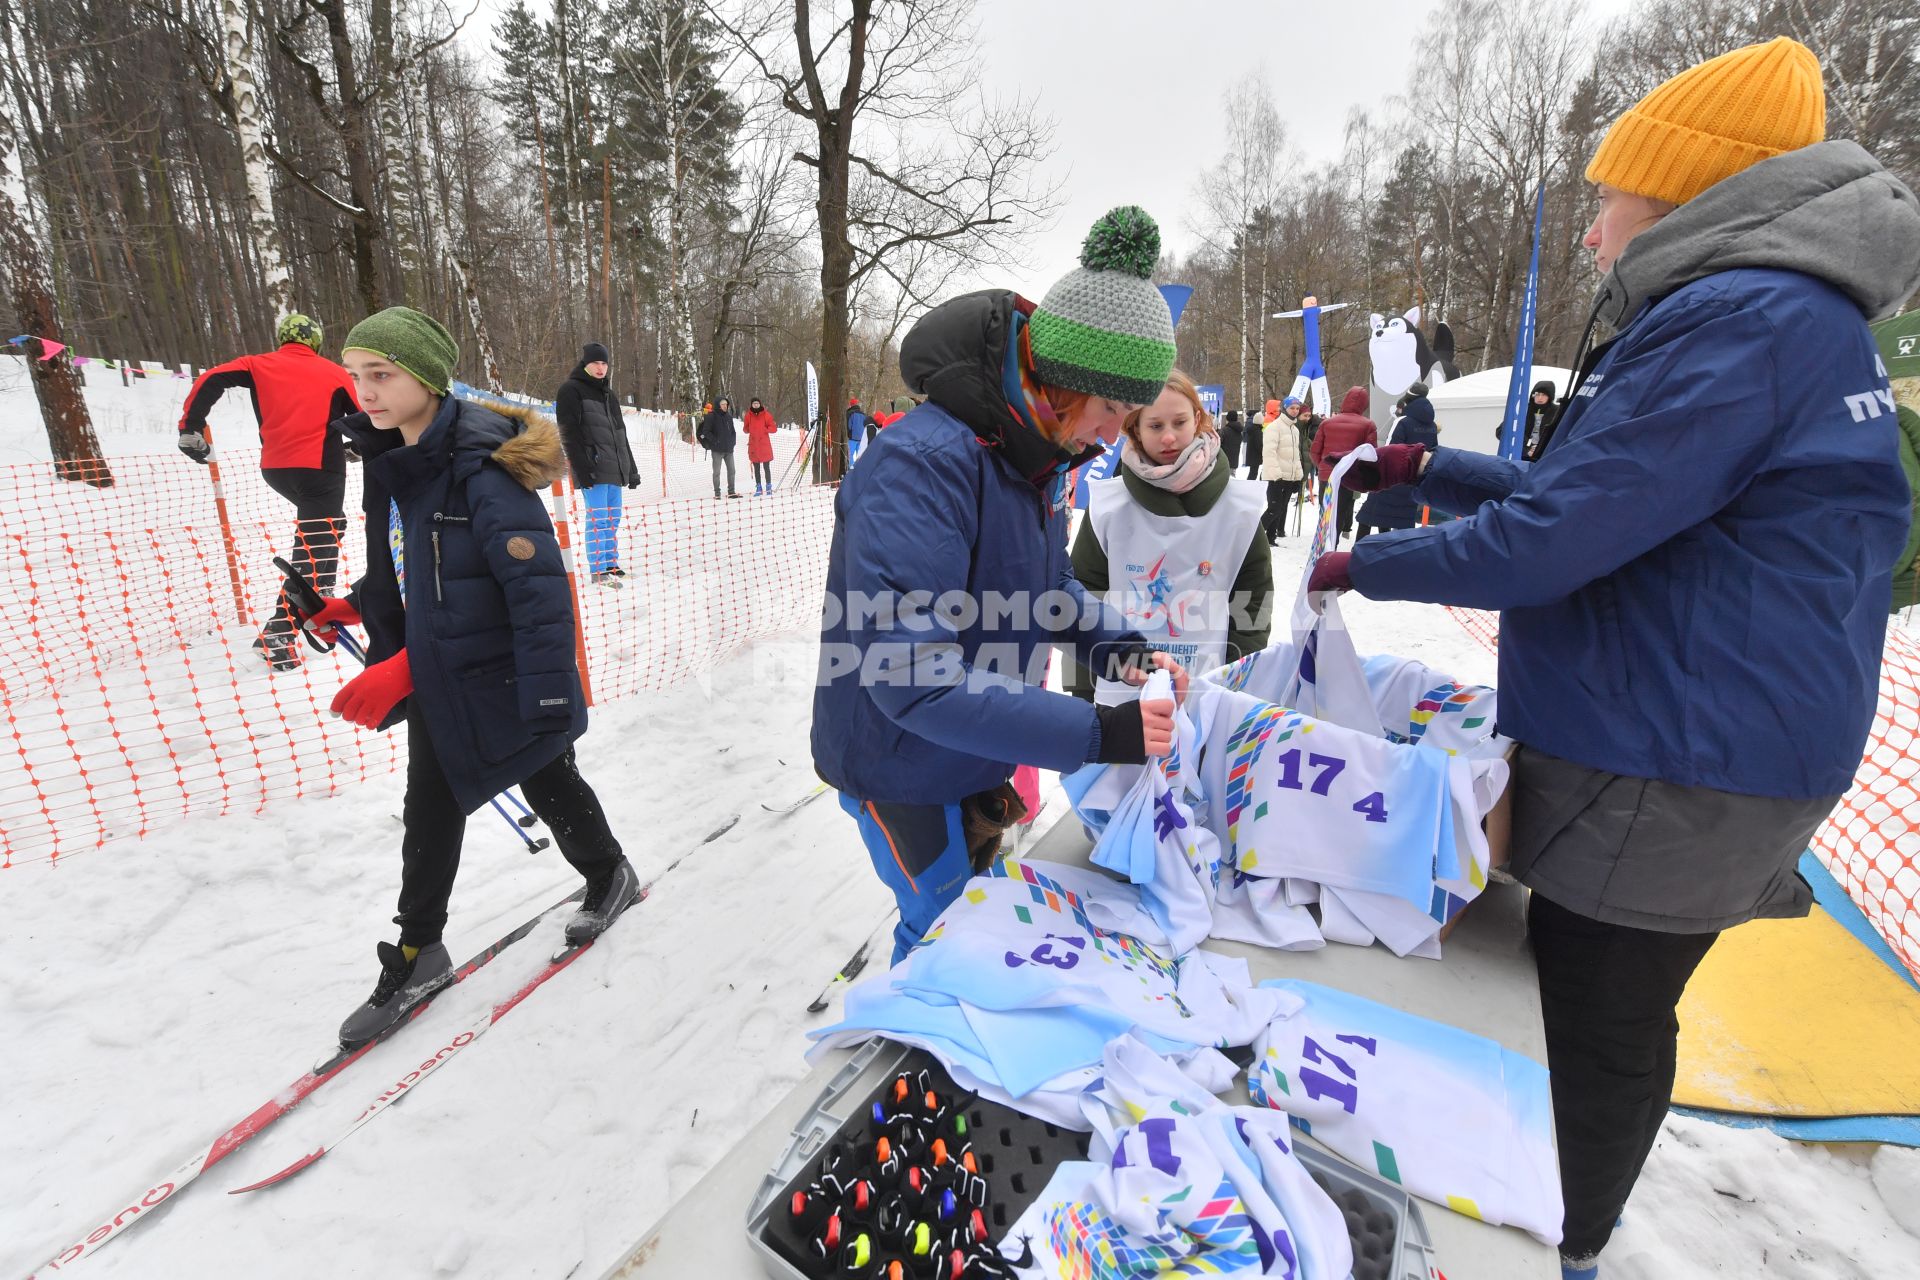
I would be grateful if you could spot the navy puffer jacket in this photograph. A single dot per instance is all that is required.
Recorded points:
(1395, 508)
(488, 616)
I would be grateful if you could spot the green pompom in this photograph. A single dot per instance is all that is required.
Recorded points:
(1125, 239)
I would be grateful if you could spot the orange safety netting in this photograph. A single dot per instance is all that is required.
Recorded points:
(131, 690)
(1871, 841)
(1480, 624)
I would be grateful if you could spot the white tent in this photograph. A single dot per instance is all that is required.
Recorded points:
(1469, 409)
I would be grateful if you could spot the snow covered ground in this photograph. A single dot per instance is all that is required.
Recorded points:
(157, 990)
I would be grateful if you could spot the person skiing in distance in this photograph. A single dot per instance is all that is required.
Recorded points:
(470, 640)
(296, 394)
(969, 494)
(759, 426)
(1280, 460)
(1336, 437)
(716, 435)
(594, 432)
(1176, 509)
(1694, 576)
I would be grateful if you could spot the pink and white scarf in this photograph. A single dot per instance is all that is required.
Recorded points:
(1184, 472)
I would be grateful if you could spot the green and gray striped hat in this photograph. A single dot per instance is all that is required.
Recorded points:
(1104, 328)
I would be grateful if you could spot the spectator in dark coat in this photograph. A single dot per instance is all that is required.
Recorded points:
(1539, 414)
(599, 455)
(1395, 508)
(1231, 435)
(717, 436)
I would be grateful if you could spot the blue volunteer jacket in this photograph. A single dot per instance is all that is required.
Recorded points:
(921, 708)
(1693, 579)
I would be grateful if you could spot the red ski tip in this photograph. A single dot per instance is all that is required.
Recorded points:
(283, 1175)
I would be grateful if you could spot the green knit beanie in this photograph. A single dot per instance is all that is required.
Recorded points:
(298, 328)
(1104, 328)
(417, 343)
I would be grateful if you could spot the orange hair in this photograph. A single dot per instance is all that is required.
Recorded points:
(1176, 381)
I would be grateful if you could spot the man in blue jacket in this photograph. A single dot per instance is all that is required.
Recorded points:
(1693, 577)
(949, 578)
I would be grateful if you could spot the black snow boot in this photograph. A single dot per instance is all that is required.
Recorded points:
(403, 985)
(606, 898)
(278, 645)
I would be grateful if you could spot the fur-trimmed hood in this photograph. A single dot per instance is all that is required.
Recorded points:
(533, 455)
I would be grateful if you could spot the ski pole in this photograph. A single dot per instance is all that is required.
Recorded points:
(309, 602)
(526, 815)
(533, 845)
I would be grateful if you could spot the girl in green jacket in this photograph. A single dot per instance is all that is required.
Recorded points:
(1176, 542)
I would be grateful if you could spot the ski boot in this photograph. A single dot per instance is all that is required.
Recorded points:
(606, 899)
(278, 645)
(403, 985)
(608, 579)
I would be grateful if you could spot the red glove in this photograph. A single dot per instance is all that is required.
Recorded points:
(1330, 570)
(370, 696)
(1398, 464)
(337, 611)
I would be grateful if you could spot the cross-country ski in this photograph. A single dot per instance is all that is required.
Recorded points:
(788, 810)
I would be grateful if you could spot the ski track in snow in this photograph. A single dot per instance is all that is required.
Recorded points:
(157, 990)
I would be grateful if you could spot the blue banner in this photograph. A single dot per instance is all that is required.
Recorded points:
(1513, 427)
(1212, 397)
(1176, 296)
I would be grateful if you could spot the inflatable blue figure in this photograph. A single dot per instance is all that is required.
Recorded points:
(1313, 374)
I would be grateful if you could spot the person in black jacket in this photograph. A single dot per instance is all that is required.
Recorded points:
(717, 436)
(598, 454)
(470, 640)
(1395, 508)
(1230, 436)
(1539, 413)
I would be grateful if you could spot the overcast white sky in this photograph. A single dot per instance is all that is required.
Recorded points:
(1156, 119)
(1138, 92)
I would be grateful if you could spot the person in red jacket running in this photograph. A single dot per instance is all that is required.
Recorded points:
(297, 394)
(1340, 435)
(759, 426)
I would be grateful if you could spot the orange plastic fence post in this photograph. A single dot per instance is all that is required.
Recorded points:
(226, 531)
(562, 532)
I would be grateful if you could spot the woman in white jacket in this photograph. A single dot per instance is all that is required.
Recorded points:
(1280, 464)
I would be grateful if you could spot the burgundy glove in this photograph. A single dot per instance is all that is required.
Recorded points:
(336, 612)
(1398, 464)
(370, 696)
(1330, 570)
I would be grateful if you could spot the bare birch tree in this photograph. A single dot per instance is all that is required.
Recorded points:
(238, 59)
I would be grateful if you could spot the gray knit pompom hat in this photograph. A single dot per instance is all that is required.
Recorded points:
(1104, 328)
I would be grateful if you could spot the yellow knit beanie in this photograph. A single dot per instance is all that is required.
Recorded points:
(1711, 121)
